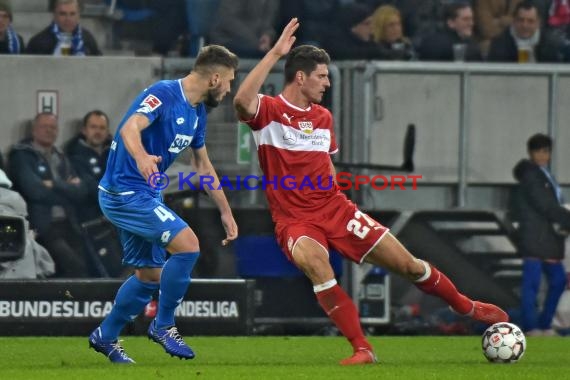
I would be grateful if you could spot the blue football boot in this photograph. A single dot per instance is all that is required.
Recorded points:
(113, 350)
(171, 340)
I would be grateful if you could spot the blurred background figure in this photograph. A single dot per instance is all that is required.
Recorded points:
(525, 41)
(455, 42)
(43, 175)
(387, 31)
(88, 152)
(10, 41)
(64, 36)
(352, 38)
(246, 27)
(492, 18)
(544, 224)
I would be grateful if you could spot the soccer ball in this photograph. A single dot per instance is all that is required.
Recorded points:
(503, 343)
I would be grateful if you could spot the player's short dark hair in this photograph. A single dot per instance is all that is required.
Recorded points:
(96, 113)
(215, 55)
(451, 11)
(538, 141)
(527, 6)
(304, 58)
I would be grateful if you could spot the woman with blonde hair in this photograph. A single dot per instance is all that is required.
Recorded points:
(388, 33)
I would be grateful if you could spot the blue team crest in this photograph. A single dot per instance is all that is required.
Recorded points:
(180, 143)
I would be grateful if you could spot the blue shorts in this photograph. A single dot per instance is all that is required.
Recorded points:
(146, 225)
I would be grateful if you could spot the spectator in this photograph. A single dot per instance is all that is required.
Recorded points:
(315, 15)
(455, 43)
(245, 27)
(10, 41)
(422, 17)
(544, 225)
(46, 180)
(493, 17)
(88, 152)
(524, 41)
(353, 38)
(169, 24)
(64, 36)
(388, 34)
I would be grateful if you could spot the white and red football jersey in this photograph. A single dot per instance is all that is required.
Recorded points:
(293, 146)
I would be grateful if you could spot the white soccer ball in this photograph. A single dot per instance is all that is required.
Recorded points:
(503, 343)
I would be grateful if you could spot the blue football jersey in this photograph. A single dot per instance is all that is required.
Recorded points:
(174, 126)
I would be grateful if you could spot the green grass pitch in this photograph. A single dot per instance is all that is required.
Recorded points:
(288, 358)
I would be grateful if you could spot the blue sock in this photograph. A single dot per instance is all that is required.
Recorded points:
(131, 299)
(174, 282)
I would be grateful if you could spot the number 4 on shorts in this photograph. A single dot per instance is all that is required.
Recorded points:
(163, 214)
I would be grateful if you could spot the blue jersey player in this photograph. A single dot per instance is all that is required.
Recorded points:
(163, 120)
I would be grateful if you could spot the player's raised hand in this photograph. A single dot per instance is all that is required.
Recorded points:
(230, 227)
(148, 164)
(287, 38)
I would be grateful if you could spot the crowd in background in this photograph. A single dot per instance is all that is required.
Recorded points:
(426, 30)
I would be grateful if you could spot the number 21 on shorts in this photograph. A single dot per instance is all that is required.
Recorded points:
(360, 224)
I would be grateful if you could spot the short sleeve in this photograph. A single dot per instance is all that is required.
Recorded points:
(266, 107)
(154, 102)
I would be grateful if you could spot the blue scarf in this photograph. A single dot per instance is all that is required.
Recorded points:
(555, 186)
(77, 46)
(13, 41)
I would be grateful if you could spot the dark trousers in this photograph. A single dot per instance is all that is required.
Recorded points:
(66, 249)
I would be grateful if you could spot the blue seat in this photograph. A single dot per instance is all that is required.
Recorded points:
(261, 256)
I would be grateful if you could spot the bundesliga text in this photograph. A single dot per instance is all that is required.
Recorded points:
(344, 180)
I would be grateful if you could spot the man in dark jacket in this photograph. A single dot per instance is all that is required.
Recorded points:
(525, 41)
(47, 181)
(64, 36)
(543, 226)
(10, 41)
(88, 152)
(456, 42)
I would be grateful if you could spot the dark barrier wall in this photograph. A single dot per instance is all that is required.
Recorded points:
(75, 307)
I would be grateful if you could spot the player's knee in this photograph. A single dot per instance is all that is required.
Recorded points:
(148, 274)
(414, 269)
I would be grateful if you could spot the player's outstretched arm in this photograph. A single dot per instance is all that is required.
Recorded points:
(211, 183)
(245, 100)
(131, 135)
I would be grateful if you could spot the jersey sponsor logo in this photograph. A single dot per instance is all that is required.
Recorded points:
(306, 126)
(180, 121)
(152, 102)
(180, 143)
(289, 138)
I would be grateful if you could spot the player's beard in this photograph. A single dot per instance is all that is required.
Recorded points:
(211, 98)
